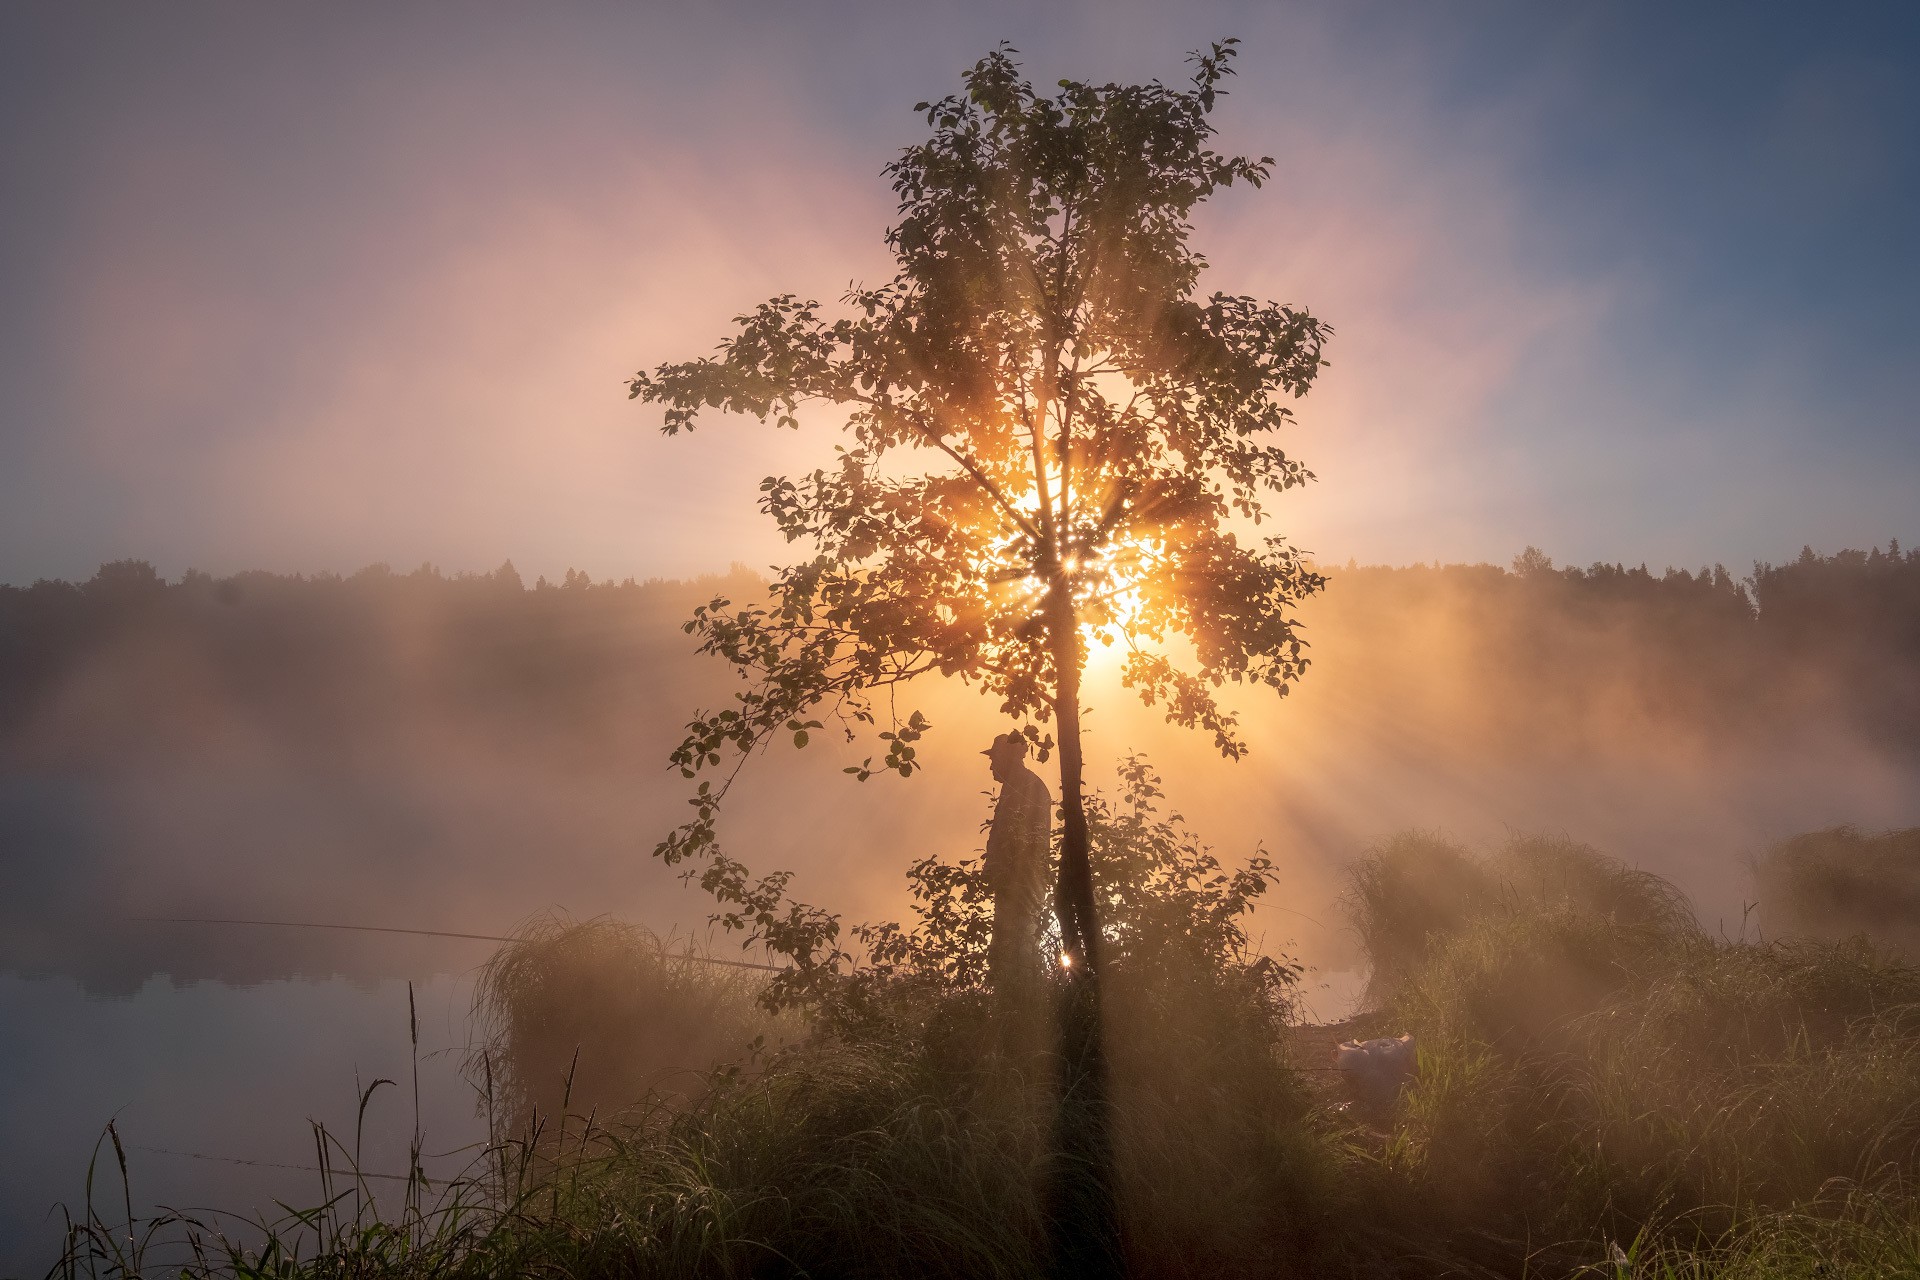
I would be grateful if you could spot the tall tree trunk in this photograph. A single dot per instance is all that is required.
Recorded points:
(1082, 1207)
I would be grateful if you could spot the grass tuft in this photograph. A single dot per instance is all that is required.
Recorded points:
(597, 1016)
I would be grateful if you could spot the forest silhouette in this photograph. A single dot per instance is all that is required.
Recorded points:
(328, 658)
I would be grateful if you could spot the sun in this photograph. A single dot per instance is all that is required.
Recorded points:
(1113, 600)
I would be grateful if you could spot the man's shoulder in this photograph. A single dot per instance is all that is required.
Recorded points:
(1032, 786)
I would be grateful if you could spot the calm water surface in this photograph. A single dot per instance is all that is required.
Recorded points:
(201, 1076)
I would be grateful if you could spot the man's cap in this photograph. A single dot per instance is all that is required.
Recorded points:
(1008, 744)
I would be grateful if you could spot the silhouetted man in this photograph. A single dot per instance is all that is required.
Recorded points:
(1016, 867)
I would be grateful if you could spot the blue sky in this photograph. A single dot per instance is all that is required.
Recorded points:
(305, 288)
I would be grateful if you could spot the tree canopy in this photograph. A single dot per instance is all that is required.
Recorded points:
(1052, 435)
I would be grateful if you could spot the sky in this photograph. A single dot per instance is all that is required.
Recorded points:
(304, 288)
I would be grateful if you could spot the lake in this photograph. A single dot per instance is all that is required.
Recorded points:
(213, 1085)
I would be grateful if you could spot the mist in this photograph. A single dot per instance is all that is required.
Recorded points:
(456, 752)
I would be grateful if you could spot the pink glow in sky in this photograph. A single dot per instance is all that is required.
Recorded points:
(305, 290)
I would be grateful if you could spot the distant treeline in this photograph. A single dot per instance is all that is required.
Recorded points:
(332, 657)
(1537, 655)
(1508, 657)
(1525, 645)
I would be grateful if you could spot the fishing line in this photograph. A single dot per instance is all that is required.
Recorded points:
(420, 933)
(297, 1168)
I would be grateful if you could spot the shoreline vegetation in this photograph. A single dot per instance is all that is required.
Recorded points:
(1605, 1089)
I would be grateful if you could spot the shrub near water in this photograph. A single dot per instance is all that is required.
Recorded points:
(597, 1016)
(1841, 883)
(1407, 896)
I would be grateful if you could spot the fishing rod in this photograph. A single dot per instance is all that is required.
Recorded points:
(418, 933)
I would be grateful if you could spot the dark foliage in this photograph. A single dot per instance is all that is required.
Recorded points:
(1843, 883)
(331, 660)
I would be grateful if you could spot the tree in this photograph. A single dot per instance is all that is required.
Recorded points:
(1052, 438)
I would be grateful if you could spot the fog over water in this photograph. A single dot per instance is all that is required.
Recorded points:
(434, 752)
(452, 753)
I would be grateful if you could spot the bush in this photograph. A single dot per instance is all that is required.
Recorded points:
(597, 1017)
(1840, 883)
(1409, 895)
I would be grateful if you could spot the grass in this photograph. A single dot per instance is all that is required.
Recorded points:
(1604, 1091)
(1595, 1067)
(1852, 1233)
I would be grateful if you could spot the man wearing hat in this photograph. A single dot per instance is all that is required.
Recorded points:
(1018, 844)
